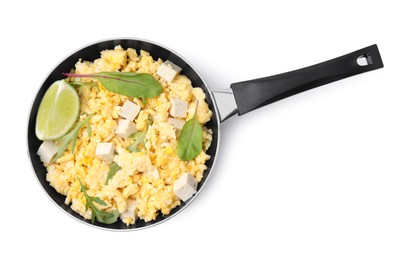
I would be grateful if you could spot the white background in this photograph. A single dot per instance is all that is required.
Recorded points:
(314, 176)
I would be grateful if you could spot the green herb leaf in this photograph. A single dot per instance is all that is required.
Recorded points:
(88, 129)
(140, 85)
(112, 171)
(98, 200)
(102, 216)
(71, 138)
(140, 137)
(135, 135)
(190, 141)
(79, 85)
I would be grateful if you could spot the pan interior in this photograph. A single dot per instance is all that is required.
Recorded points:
(91, 53)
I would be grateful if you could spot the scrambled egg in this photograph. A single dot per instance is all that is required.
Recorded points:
(146, 178)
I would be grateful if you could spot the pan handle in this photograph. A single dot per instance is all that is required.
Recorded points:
(253, 94)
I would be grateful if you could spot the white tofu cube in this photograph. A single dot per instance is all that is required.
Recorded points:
(125, 128)
(176, 123)
(185, 186)
(105, 151)
(46, 151)
(131, 212)
(178, 107)
(168, 71)
(129, 110)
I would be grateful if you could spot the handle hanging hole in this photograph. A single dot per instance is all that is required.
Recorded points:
(365, 60)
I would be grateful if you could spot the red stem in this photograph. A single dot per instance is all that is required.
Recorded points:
(80, 75)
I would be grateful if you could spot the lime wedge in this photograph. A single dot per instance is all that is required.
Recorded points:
(58, 111)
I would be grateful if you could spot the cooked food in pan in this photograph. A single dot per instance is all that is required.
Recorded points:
(124, 136)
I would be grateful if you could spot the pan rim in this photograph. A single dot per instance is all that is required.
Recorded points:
(216, 112)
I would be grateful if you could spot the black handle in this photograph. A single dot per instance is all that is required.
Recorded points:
(256, 93)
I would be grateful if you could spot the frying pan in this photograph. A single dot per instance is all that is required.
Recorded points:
(243, 97)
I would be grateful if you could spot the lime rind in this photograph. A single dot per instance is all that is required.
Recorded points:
(58, 111)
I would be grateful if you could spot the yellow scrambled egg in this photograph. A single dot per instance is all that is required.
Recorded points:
(146, 177)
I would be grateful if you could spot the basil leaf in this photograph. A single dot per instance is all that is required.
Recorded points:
(140, 85)
(71, 138)
(190, 141)
(102, 216)
(112, 171)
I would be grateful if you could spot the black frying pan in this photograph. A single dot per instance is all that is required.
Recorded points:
(244, 97)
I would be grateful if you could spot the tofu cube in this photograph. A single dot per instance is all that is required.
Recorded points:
(176, 123)
(185, 186)
(105, 151)
(125, 128)
(46, 151)
(168, 71)
(131, 212)
(178, 107)
(129, 110)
